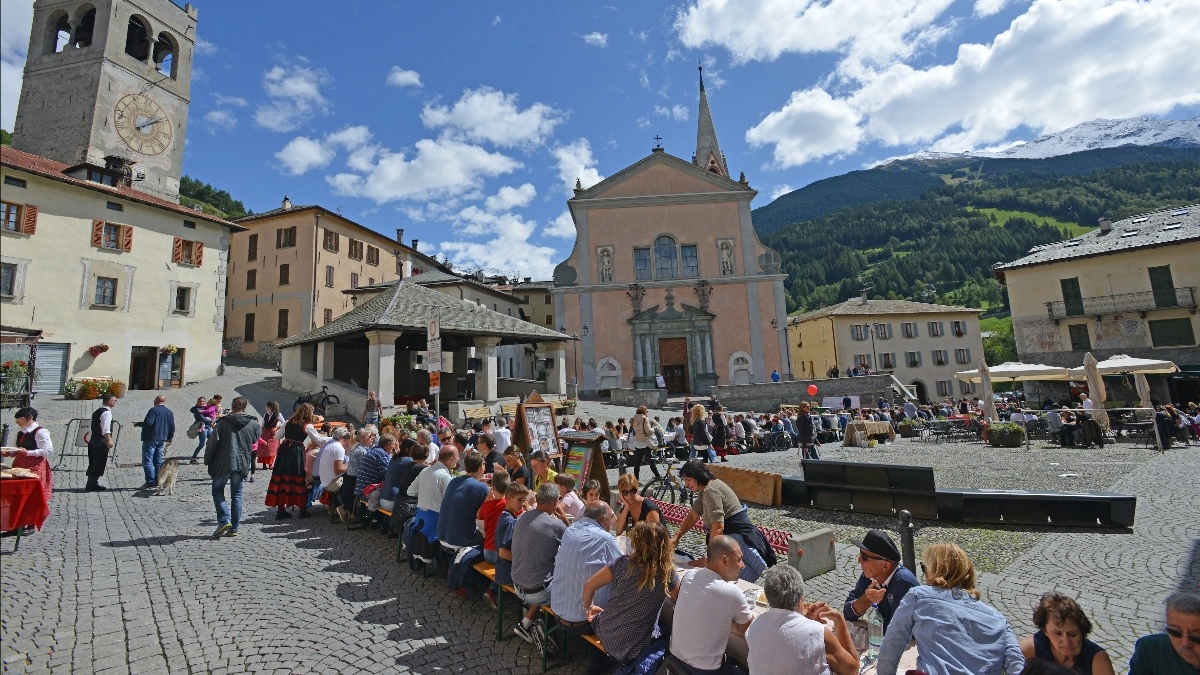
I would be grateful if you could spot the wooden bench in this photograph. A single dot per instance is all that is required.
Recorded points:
(488, 570)
(675, 514)
(476, 414)
(506, 410)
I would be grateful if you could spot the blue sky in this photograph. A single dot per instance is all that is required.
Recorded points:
(467, 123)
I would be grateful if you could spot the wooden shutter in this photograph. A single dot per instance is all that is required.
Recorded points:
(126, 238)
(337, 242)
(177, 250)
(29, 222)
(199, 253)
(98, 233)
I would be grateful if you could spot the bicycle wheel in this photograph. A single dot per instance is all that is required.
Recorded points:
(660, 489)
(330, 398)
(299, 402)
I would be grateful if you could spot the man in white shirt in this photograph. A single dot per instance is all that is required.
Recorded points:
(331, 460)
(503, 435)
(708, 604)
(1086, 402)
(430, 486)
(790, 637)
(100, 443)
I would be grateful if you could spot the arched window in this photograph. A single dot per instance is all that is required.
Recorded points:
(85, 26)
(666, 258)
(165, 52)
(137, 39)
(58, 32)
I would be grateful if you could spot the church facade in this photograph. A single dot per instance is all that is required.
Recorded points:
(667, 277)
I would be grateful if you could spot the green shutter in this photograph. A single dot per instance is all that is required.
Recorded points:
(1080, 342)
(1072, 298)
(1163, 286)
(1172, 333)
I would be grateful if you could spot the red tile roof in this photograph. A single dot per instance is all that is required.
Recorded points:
(48, 168)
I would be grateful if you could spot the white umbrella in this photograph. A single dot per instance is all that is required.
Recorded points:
(1015, 371)
(1143, 388)
(985, 384)
(1122, 365)
(1096, 389)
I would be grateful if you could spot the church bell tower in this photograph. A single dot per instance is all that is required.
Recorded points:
(708, 153)
(109, 81)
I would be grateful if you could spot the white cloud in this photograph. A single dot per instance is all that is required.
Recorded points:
(643, 122)
(440, 168)
(508, 198)
(596, 39)
(294, 96)
(780, 190)
(507, 246)
(496, 20)
(350, 138)
(490, 115)
(206, 48)
(575, 161)
(303, 154)
(220, 120)
(16, 20)
(679, 113)
(232, 101)
(1056, 65)
(562, 226)
(989, 7)
(399, 77)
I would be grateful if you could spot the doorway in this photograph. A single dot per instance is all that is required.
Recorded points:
(142, 368)
(673, 355)
(920, 387)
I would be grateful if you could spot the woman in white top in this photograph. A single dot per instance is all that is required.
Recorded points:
(642, 432)
(790, 637)
(33, 448)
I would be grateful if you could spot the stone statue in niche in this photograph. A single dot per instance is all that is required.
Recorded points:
(726, 249)
(605, 256)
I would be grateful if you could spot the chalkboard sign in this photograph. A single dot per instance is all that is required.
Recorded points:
(584, 460)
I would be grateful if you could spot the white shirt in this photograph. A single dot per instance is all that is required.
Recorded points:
(430, 487)
(706, 605)
(1088, 404)
(332, 452)
(783, 642)
(311, 431)
(44, 445)
(106, 421)
(503, 437)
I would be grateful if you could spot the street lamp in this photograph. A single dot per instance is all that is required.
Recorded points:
(786, 346)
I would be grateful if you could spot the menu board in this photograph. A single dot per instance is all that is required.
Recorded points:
(577, 462)
(537, 419)
(584, 460)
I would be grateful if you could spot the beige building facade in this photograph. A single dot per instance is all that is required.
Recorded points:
(668, 277)
(288, 269)
(922, 345)
(1127, 287)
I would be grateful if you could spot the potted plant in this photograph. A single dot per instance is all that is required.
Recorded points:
(569, 404)
(908, 428)
(97, 350)
(169, 349)
(1006, 435)
(89, 390)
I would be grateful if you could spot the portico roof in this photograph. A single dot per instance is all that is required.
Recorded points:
(406, 306)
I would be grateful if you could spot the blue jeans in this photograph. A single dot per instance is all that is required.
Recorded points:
(201, 440)
(152, 458)
(224, 513)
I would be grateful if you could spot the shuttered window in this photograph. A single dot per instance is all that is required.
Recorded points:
(285, 237)
(251, 279)
(1172, 333)
(282, 328)
(20, 218)
(248, 335)
(373, 256)
(252, 247)
(356, 249)
(1080, 340)
(112, 236)
(285, 275)
(187, 252)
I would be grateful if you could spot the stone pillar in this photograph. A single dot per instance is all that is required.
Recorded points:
(381, 365)
(556, 376)
(638, 357)
(485, 377)
(325, 361)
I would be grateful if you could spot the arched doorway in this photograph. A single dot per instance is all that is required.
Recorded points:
(920, 387)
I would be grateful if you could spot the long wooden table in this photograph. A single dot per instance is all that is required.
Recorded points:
(871, 429)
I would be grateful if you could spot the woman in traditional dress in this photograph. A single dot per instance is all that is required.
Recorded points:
(287, 477)
(270, 426)
(33, 448)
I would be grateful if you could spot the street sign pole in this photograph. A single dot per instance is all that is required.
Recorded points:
(433, 353)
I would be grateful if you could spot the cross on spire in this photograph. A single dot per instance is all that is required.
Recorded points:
(658, 141)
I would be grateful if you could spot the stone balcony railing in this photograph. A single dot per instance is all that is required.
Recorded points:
(1126, 302)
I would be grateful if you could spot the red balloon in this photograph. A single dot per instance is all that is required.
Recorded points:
(812, 390)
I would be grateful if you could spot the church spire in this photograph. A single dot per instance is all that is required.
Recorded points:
(708, 154)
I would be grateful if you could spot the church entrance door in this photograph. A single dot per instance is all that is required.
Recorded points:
(674, 358)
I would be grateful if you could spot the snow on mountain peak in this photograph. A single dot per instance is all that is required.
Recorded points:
(1102, 133)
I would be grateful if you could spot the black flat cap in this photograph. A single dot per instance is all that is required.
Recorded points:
(879, 543)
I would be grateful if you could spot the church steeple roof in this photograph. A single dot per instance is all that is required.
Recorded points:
(708, 153)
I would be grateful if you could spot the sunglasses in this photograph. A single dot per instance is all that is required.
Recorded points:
(1177, 634)
(629, 493)
(864, 556)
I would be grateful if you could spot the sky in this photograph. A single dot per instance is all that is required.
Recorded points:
(468, 123)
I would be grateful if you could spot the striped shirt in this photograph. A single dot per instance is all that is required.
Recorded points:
(586, 548)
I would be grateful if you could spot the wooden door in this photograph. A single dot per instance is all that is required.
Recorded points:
(673, 355)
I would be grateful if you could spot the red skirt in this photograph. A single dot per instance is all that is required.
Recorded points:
(287, 486)
(38, 465)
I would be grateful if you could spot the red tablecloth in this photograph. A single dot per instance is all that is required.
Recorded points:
(22, 503)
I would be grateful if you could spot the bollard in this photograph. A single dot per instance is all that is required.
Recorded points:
(4, 435)
(907, 546)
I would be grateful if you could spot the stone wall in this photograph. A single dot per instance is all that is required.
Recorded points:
(267, 352)
(651, 398)
(768, 397)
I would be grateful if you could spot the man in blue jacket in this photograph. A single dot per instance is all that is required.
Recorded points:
(884, 580)
(158, 430)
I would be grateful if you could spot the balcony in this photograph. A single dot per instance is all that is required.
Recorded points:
(1141, 303)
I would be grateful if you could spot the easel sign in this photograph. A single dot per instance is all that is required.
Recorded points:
(584, 460)
(536, 427)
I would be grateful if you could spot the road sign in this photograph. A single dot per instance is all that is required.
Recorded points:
(435, 383)
(434, 344)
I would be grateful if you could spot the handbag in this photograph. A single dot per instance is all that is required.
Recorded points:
(335, 486)
(194, 430)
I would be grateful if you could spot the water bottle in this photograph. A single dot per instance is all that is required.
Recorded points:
(874, 633)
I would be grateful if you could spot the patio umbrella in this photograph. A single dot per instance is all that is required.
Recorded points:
(985, 384)
(1122, 364)
(1096, 389)
(1143, 389)
(1014, 371)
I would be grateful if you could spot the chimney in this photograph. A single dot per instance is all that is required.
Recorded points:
(400, 235)
(1105, 225)
(864, 298)
(414, 244)
(528, 279)
(287, 203)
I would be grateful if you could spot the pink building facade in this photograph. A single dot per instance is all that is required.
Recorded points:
(667, 277)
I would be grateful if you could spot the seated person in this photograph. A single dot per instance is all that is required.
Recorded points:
(539, 463)
(489, 513)
(517, 471)
(883, 582)
(634, 507)
(1177, 650)
(586, 548)
(395, 470)
(485, 443)
(570, 502)
(709, 605)
(373, 466)
(591, 492)
(791, 638)
(460, 503)
(1062, 637)
(536, 537)
(514, 506)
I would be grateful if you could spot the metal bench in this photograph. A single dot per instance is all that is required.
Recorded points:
(476, 414)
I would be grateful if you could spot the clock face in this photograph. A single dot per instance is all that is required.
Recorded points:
(142, 124)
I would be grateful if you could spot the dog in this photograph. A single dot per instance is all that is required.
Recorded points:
(167, 473)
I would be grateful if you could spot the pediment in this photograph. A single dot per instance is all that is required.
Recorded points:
(685, 313)
(661, 174)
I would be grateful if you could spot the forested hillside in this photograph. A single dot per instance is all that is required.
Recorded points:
(214, 202)
(939, 247)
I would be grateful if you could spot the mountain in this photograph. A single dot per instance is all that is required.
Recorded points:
(909, 178)
(1101, 133)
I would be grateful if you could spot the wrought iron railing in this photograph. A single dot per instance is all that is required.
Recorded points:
(1127, 302)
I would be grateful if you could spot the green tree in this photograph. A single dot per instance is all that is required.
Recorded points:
(5, 137)
(1000, 346)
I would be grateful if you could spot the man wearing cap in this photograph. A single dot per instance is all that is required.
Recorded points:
(884, 581)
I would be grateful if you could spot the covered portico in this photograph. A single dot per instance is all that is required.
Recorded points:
(380, 346)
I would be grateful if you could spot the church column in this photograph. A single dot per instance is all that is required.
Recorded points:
(381, 365)
(485, 377)
(638, 356)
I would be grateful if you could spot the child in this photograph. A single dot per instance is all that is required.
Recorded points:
(489, 513)
(514, 505)
(567, 499)
(591, 492)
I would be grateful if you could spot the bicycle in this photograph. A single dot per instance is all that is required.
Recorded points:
(319, 400)
(667, 487)
(777, 441)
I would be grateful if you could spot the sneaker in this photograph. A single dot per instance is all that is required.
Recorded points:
(526, 634)
(305, 514)
(149, 486)
(231, 533)
(341, 511)
(95, 487)
(251, 480)
(490, 599)
(222, 530)
(543, 643)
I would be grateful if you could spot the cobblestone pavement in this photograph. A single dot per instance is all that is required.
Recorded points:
(124, 581)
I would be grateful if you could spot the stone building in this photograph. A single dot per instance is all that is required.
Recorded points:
(667, 276)
(1127, 287)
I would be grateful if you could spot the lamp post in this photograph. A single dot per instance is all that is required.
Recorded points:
(786, 346)
(874, 356)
